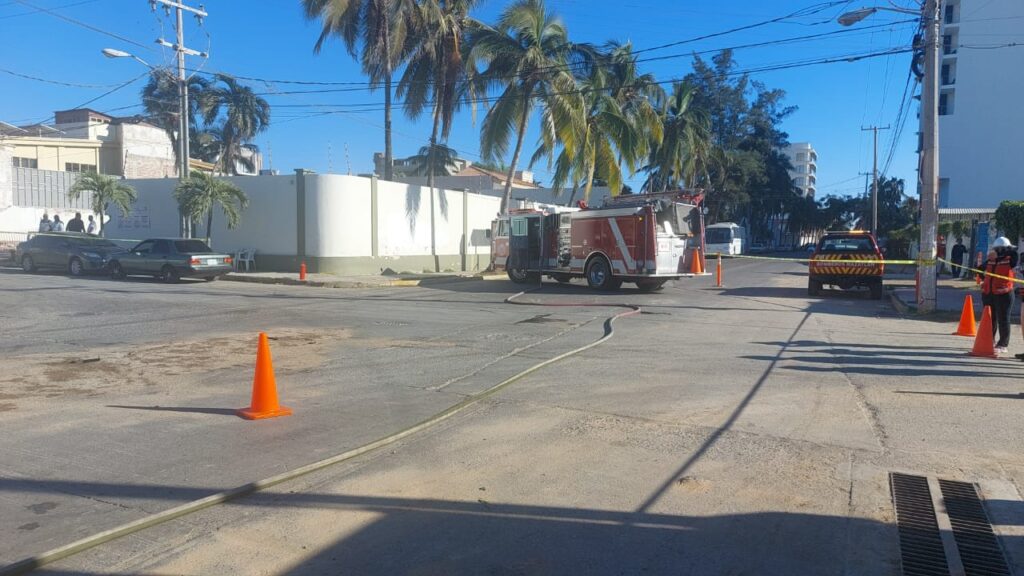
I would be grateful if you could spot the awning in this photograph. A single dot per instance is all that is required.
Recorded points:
(965, 214)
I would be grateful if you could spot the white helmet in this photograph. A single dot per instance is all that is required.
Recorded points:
(1001, 242)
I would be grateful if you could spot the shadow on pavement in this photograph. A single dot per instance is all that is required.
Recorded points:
(426, 536)
(221, 411)
(1019, 396)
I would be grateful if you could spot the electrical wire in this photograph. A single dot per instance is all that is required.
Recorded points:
(84, 25)
(57, 82)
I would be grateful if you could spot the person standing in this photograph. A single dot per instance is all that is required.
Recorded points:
(91, 227)
(76, 224)
(45, 225)
(57, 225)
(997, 288)
(958, 258)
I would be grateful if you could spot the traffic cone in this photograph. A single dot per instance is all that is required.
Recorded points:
(983, 343)
(695, 267)
(967, 325)
(718, 272)
(264, 387)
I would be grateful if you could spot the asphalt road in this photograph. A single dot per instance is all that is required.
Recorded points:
(744, 430)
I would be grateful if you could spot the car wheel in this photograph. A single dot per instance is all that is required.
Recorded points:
(650, 285)
(876, 291)
(599, 275)
(75, 267)
(116, 271)
(813, 288)
(27, 264)
(169, 274)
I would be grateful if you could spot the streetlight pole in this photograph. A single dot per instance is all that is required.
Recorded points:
(929, 154)
(874, 182)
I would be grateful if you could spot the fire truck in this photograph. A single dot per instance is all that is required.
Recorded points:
(645, 239)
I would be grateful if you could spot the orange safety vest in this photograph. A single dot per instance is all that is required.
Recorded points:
(1000, 265)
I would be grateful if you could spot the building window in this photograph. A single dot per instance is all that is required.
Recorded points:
(947, 75)
(25, 162)
(947, 44)
(76, 167)
(801, 157)
(945, 104)
(949, 15)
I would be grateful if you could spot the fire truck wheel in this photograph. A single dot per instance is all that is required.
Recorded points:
(813, 288)
(561, 278)
(518, 275)
(650, 285)
(599, 275)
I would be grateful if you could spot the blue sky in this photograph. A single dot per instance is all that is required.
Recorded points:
(271, 40)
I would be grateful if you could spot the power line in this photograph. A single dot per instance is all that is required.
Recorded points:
(83, 24)
(36, 11)
(57, 82)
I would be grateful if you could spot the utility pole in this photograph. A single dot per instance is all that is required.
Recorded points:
(183, 119)
(874, 179)
(929, 159)
(867, 191)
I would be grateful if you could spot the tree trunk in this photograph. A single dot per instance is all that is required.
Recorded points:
(506, 200)
(430, 182)
(590, 182)
(101, 221)
(209, 224)
(388, 159)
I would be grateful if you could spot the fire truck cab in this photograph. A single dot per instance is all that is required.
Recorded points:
(639, 239)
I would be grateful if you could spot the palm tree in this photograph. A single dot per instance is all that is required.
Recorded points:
(161, 102)
(201, 192)
(380, 28)
(527, 55)
(244, 116)
(105, 190)
(682, 159)
(621, 121)
(436, 75)
(430, 160)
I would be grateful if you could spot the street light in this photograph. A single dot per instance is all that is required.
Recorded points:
(114, 53)
(929, 156)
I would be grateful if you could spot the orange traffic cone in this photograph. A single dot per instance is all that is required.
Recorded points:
(967, 325)
(718, 272)
(695, 267)
(264, 387)
(983, 343)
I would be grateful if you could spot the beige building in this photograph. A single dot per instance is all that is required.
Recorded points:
(81, 140)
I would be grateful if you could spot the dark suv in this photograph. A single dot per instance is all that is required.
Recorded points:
(846, 260)
(76, 254)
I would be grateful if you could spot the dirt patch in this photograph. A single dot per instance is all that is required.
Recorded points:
(7, 406)
(95, 372)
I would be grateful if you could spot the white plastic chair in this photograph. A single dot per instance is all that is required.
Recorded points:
(247, 258)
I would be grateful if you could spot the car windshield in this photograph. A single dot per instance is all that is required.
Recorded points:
(191, 246)
(847, 244)
(718, 236)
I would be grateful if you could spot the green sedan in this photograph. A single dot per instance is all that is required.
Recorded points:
(171, 259)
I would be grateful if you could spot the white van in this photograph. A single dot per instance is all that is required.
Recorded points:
(725, 238)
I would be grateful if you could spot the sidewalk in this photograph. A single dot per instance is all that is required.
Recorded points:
(333, 281)
(949, 297)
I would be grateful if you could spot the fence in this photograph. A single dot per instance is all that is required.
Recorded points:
(47, 189)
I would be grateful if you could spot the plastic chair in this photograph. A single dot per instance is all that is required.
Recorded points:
(247, 258)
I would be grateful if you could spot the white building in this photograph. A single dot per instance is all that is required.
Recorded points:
(805, 167)
(981, 118)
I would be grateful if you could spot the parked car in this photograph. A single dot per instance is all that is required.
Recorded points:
(758, 247)
(171, 259)
(75, 253)
(846, 259)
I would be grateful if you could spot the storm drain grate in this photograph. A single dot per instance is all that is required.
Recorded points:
(979, 550)
(921, 551)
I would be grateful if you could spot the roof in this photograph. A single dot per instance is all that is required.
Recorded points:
(953, 214)
(474, 170)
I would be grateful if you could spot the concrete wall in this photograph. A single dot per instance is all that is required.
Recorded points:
(55, 153)
(348, 224)
(6, 176)
(979, 140)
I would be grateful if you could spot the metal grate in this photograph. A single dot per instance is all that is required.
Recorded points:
(979, 550)
(921, 551)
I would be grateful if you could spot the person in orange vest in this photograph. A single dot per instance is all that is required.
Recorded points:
(997, 288)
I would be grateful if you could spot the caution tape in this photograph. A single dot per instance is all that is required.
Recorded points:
(983, 273)
(823, 260)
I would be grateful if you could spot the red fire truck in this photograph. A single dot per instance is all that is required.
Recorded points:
(645, 239)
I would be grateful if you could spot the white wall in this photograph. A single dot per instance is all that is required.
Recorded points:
(26, 219)
(6, 176)
(338, 217)
(979, 143)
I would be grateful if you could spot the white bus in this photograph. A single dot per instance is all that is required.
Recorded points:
(725, 238)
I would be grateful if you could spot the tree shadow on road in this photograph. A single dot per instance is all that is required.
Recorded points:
(193, 410)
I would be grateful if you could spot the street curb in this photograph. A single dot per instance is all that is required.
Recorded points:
(395, 283)
(901, 306)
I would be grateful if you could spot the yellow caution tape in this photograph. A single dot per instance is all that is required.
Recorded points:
(823, 260)
(983, 273)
